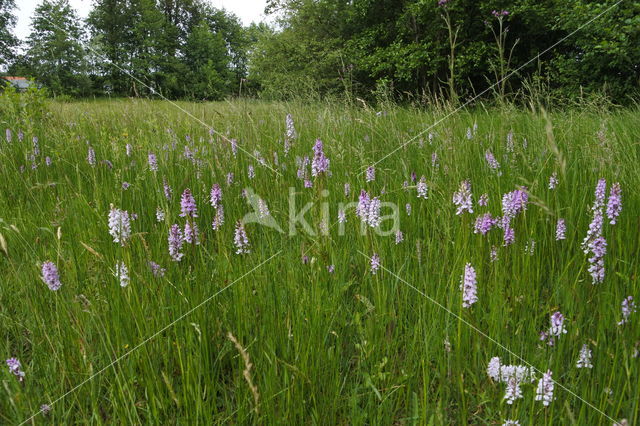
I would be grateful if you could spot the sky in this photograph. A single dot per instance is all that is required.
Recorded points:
(247, 10)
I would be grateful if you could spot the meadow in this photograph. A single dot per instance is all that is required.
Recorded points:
(343, 321)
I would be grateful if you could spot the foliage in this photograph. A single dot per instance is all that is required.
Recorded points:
(181, 48)
(406, 44)
(8, 40)
(55, 56)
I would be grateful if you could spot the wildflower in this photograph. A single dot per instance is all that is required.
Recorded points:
(557, 325)
(342, 217)
(483, 224)
(500, 13)
(128, 149)
(561, 229)
(323, 226)
(413, 177)
(493, 369)
(628, 307)
(512, 375)
(191, 233)
(240, 239)
(291, 130)
(595, 227)
(363, 204)
(122, 273)
(125, 185)
(469, 134)
(491, 160)
(463, 198)
(370, 174)
(600, 193)
(546, 337)
(584, 361)
(216, 195)
(483, 200)
(167, 189)
(553, 181)
(7, 134)
(50, 276)
(407, 208)
(513, 390)
(160, 215)
(263, 208)
(176, 239)
(529, 248)
(45, 409)
(302, 167)
(375, 263)
(434, 160)
(399, 236)
(544, 392)
(119, 225)
(509, 233)
(422, 188)
(36, 146)
(515, 202)
(347, 189)
(260, 158)
(493, 254)
(218, 219)
(15, 368)
(188, 204)
(596, 268)
(234, 147)
(614, 205)
(320, 163)
(153, 162)
(308, 183)
(468, 285)
(229, 179)
(511, 423)
(47, 161)
(251, 172)
(156, 270)
(372, 216)
(510, 141)
(91, 156)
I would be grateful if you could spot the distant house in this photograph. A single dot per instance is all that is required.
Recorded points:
(20, 83)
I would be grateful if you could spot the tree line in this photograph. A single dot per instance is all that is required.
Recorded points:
(403, 49)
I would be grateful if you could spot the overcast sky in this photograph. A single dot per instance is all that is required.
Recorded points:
(247, 10)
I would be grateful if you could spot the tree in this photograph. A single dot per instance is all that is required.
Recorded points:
(8, 41)
(55, 56)
(207, 59)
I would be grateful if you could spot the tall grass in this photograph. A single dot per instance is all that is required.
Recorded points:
(348, 347)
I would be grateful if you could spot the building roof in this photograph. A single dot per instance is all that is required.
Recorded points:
(18, 82)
